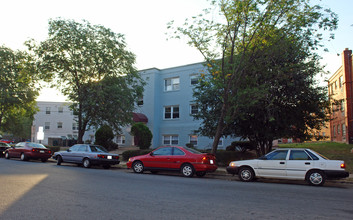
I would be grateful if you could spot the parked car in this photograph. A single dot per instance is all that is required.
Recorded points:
(186, 160)
(87, 155)
(3, 147)
(290, 163)
(29, 150)
(6, 141)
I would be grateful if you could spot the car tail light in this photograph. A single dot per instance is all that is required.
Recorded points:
(116, 157)
(205, 160)
(102, 156)
(49, 151)
(343, 165)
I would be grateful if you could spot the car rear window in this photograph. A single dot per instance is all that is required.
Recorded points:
(192, 150)
(34, 145)
(97, 148)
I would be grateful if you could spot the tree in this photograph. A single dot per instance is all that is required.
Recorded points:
(233, 42)
(104, 137)
(92, 67)
(143, 135)
(18, 90)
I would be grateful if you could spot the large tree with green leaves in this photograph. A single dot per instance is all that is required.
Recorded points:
(91, 65)
(18, 91)
(250, 49)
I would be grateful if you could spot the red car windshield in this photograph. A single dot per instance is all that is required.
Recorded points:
(34, 145)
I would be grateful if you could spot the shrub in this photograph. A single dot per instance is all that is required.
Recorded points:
(189, 145)
(225, 157)
(104, 137)
(132, 153)
(142, 134)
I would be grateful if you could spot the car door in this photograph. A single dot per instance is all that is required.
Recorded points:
(298, 164)
(177, 158)
(79, 153)
(68, 155)
(159, 159)
(273, 164)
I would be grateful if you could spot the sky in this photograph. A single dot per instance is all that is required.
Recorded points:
(144, 24)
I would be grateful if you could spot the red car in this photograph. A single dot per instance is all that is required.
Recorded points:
(28, 150)
(174, 158)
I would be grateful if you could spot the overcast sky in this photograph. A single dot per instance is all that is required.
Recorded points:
(144, 24)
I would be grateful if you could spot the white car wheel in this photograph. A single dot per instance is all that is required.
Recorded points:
(246, 174)
(316, 178)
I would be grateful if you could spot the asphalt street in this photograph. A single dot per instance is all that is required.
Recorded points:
(36, 190)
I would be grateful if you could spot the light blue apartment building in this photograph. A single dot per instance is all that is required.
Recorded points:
(168, 105)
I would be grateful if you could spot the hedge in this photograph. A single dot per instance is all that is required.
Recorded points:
(132, 153)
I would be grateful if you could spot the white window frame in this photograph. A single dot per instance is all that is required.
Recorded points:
(47, 110)
(194, 79)
(60, 109)
(120, 139)
(172, 112)
(191, 109)
(74, 126)
(195, 141)
(47, 126)
(172, 84)
(169, 140)
(60, 125)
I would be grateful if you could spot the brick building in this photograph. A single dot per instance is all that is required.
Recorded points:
(341, 95)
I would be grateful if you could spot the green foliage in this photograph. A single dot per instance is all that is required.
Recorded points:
(17, 91)
(93, 68)
(104, 137)
(143, 135)
(132, 153)
(261, 56)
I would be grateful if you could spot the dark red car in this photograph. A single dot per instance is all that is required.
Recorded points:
(174, 158)
(29, 150)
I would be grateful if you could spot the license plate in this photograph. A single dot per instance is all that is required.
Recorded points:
(109, 157)
(211, 161)
(42, 151)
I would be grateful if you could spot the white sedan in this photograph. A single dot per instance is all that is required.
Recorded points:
(290, 163)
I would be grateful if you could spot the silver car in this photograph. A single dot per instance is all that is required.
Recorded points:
(87, 155)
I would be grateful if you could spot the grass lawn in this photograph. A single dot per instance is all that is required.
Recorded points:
(331, 150)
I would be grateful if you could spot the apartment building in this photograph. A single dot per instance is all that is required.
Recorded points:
(341, 96)
(166, 107)
(56, 122)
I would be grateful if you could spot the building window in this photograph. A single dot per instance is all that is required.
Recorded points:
(60, 125)
(170, 139)
(193, 140)
(194, 79)
(342, 105)
(74, 126)
(220, 143)
(47, 110)
(343, 129)
(340, 81)
(140, 101)
(60, 109)
(171, 112)
(338, 129)
(47, 125)
(334, 131)
(335, 84)
(121, 139)
(171, 84)
(194, 109)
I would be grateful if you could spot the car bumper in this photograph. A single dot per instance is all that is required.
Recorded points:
(336, 174)
(38, 155)
(233, 170)
(205, 167)
(104, 162)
